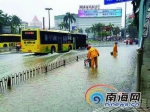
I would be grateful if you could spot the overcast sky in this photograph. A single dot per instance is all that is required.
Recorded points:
(27, 9)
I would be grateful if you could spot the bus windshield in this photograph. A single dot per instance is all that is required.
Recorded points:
(30, 35)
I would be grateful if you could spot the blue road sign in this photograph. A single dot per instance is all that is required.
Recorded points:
(108, 2)
(73, 27)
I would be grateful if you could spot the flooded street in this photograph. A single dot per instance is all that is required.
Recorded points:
(63, 89)
(14, 63)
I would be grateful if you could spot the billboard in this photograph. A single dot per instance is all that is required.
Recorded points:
(108, 2)
(6, 29)
(89, 7)
(100, 13)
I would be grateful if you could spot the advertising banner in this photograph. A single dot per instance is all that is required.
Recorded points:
(100, 13)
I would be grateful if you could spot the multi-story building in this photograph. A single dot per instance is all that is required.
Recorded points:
(24, 25)
(86, 17)
(35, 23)
(129, 19)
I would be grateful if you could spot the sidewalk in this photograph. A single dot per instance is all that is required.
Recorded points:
(63, 89)
(145, 75)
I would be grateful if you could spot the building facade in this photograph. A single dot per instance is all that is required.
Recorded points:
(35, 23)
(129, 19)
(24, 25)
(87, 17)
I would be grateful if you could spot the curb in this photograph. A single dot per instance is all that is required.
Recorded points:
(8, 52)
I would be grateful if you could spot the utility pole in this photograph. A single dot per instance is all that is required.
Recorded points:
(49, 14)
(125, 21)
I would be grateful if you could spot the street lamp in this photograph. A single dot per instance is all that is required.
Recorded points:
(125, 21)
(49, 14)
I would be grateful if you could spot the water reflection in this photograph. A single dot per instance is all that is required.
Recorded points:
(93, 72)
(115, 56)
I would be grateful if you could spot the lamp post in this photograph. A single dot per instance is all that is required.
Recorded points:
(49, 14)
(125, 21)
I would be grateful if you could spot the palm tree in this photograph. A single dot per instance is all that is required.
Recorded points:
(60, 26)
(1, 20)
(93, 30)
(99, 29)
(7, 20)
(69, 18)
(15, 21)
(111, 28)
(80, 30)
(87, 30)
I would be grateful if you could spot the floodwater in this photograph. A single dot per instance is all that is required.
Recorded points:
(63, 89)
(15, 63)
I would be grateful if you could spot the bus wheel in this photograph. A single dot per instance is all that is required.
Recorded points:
(52, 50)
(70, 48)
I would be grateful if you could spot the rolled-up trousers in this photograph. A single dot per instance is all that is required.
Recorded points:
(94, 62)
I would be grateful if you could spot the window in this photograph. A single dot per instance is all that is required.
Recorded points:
(48, 37)
(10, 39)
(65, 39)
(29, 35)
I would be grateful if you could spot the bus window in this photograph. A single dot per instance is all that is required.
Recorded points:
(49, 38)
(54, 38)
(46, 38)
(65, 38)
(29, 35)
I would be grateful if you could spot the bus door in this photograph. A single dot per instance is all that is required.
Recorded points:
(60, 42)
(74, 41)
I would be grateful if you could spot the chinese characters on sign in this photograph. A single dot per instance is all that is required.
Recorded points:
(123, 99)
(89, 7)
(100, 13)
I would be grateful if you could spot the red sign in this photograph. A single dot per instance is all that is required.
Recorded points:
(29, 32)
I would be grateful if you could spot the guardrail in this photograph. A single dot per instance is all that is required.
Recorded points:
(7, 49)
(9, 81)
(140, 50)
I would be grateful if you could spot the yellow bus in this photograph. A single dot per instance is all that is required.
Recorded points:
(45, 41)
(9, 40)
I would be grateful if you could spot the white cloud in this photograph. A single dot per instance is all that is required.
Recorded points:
(27, 9)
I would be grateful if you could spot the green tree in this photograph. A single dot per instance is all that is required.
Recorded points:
(1, 20)
(99, 29)
(132, 30)
(110, 28)
(63, 25)
(69, 18)
(136, 4)
(7, 20)
(15, 22)
(93, 30)
(116, 31)
(87, 30)
(80, 30)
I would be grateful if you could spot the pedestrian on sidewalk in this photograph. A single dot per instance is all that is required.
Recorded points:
(93, 53)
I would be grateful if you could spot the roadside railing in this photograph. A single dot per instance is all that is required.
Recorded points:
(140, 51)
(6, 49)
(15, 79)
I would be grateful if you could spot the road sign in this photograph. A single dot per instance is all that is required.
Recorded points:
(108, 2)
